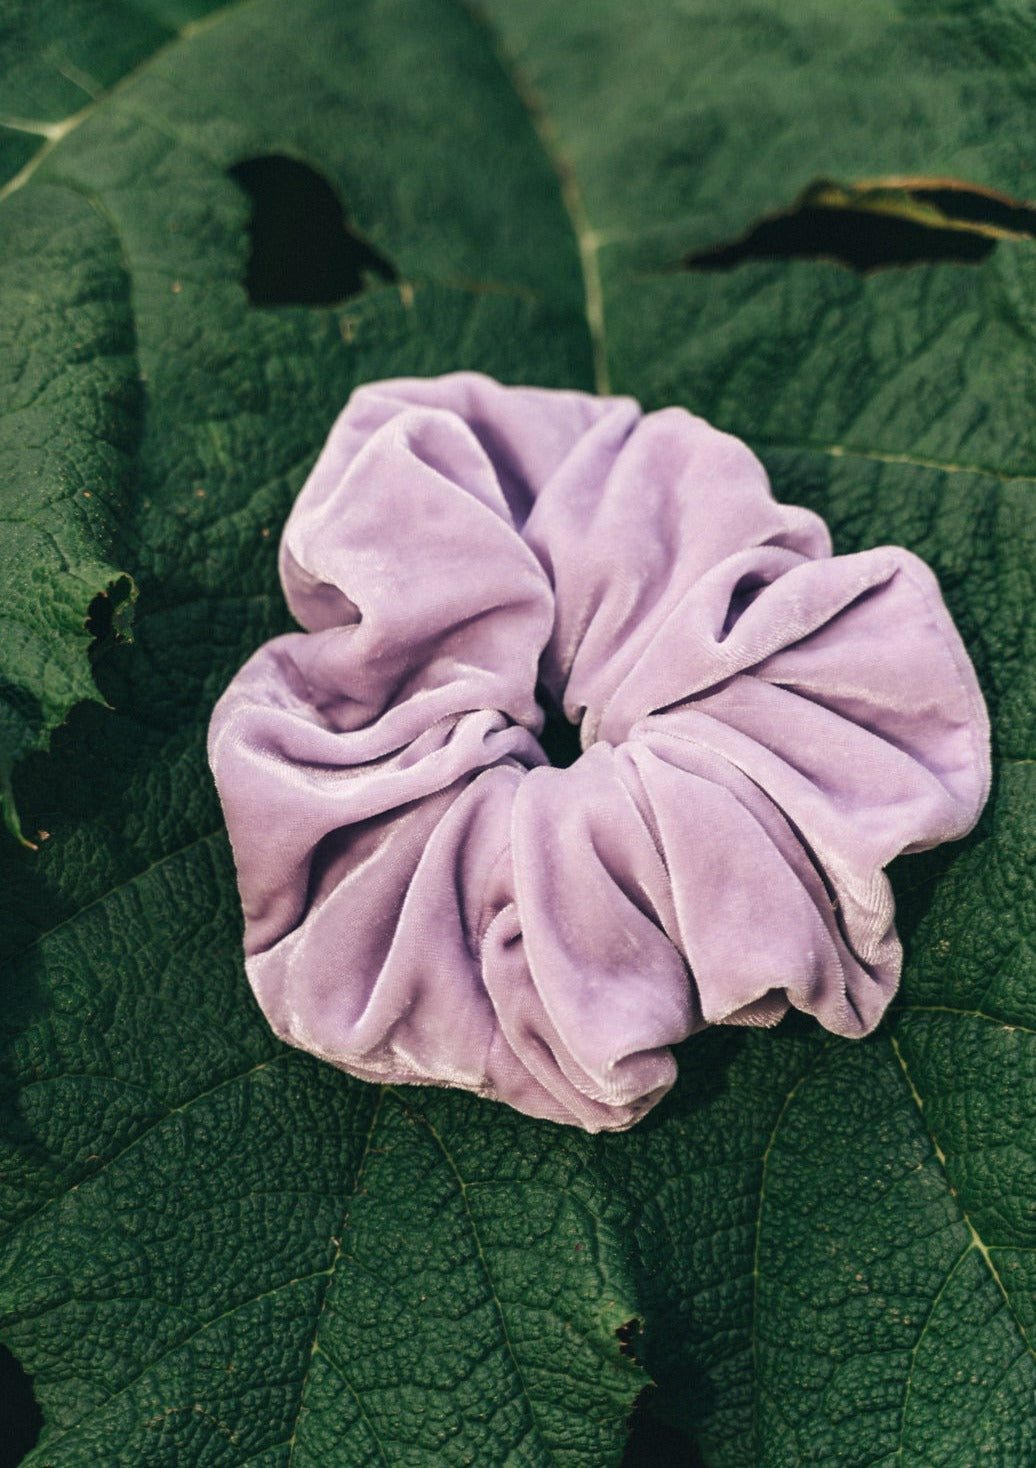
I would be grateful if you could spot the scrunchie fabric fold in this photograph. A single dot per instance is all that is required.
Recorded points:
(764, 726)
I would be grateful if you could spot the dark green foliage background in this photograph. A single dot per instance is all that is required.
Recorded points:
(215, 1251)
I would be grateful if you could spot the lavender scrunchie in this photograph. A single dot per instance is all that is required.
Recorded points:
(764, 727)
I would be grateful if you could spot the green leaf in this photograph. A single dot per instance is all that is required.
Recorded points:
(216, 1251)
(67, 436)
(269, 1262)
(68, 370)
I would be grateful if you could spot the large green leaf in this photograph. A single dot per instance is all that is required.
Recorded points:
(71, 399)
(67, 435)
(216, 1251)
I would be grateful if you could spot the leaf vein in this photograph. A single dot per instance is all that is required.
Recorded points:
(757, 1387)
(343, 1376)
(850, 451)
(977, 1241)
(74, 917)
(179, 1346)
(497, 1303)
(58, 130)
(917, 1345)
(993, 1019)
(315, 1345)
(141, 1136)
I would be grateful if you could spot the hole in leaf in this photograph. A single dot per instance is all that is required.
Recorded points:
(627, 1336)
(23, 1420)
(878, 226)
(986, 210)
(304, 251)
(109, 617)
(559, 739)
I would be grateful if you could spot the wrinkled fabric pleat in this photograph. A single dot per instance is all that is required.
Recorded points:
(765, 726)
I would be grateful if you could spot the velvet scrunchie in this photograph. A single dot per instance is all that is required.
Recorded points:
(764, 728)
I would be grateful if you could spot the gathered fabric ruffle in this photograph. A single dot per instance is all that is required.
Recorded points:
(764, 727)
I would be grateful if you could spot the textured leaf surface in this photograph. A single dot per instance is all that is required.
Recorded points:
(67, 433)
(68, 372)
(219, 1252)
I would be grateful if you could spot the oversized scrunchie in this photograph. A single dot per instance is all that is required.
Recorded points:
(764, 728)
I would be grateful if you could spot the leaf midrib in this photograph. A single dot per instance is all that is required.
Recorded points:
(588, 241)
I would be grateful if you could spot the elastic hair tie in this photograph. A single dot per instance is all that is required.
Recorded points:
(764, 727)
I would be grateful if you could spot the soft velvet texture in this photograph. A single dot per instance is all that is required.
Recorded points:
(764, 726)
